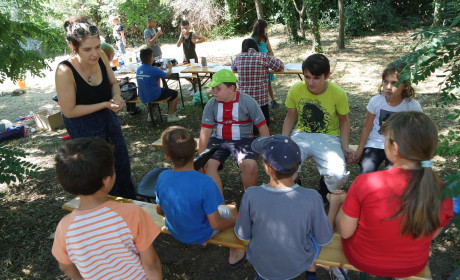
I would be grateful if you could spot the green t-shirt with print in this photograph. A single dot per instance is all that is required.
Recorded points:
(318, 113)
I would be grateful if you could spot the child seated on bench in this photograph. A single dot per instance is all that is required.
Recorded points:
(101, 239)
(285, 223)
(190, 200)
(390, 217)
(231, 115)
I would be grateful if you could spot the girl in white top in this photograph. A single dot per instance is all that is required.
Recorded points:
(393, 98)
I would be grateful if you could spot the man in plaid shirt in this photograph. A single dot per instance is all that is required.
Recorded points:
(252, 67)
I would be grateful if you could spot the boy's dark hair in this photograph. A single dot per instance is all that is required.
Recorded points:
(184, 23)
(280, 176)
(145, 55)
(228, 84)
(179, 145)
(83, 163)
(316, 64)
(249, 44)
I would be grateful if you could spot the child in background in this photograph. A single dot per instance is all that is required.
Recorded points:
(285, 223)
(190, 200)
(101, 239)
(393, 98)
(252, 67)
(231, 115)
(259, 35)
(390, 217)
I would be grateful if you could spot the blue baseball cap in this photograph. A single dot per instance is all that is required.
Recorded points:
(278, 151)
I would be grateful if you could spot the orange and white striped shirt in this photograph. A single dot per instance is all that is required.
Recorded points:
(104, 242)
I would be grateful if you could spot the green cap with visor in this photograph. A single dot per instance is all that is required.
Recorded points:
(222, 76)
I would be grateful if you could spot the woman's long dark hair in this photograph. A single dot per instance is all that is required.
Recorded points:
(258, 31)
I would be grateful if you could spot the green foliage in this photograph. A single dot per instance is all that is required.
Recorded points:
(136, 12)
(365, 17)
(239, 18)
(439, 48)
(12, 167)
(19, 24)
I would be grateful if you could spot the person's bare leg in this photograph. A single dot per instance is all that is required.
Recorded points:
(173, 106)
(249, 171)
(212, 171)
(271, 92)
(235, 255)
(335, 207)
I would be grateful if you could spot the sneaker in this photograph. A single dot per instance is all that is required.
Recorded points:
(274, 104)
(173, 118)
(335, 273)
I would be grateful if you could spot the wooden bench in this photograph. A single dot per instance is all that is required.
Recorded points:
(152, 106)
(330, 255)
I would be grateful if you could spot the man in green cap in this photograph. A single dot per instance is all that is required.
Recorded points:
(231, 115)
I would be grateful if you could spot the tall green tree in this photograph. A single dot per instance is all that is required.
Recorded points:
(27, 40)
(439, 48)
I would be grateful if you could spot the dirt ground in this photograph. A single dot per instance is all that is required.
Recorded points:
(30, 211)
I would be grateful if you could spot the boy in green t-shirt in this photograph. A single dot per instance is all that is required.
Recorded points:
(320, 109)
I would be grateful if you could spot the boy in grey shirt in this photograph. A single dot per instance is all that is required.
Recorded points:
(285, 223)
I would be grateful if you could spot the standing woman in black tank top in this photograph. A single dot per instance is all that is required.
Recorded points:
(89, 96)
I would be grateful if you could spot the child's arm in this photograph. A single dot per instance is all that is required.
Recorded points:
(220, 223)
(263, 130)
(269, 48)
(289, 121)
(152, 41)
(344, 126)
(365, 132)
(205, 134)
(180, 40)
(346, 224)
(197, 39)
(151, 263)
(71, 271)
(160, 210)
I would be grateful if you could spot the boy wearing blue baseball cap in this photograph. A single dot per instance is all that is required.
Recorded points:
(285, 223)
(228, 120)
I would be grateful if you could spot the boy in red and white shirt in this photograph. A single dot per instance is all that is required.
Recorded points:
(231, 115)
(102, 239)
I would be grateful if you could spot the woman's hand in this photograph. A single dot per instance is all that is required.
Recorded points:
(116, 104)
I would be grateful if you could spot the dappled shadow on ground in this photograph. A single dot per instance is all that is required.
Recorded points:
(30, 211)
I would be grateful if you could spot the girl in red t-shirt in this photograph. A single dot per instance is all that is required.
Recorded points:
(389, 217)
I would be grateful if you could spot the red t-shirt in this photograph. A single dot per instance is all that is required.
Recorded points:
(377, 246)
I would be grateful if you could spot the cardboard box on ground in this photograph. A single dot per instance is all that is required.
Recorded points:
(49, 119)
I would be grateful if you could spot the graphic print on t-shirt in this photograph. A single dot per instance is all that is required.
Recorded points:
(384, 115)
(314, 117)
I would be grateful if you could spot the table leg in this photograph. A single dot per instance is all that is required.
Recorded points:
(199, 89)
(180, 90)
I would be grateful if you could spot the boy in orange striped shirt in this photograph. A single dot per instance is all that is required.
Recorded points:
(101, 239)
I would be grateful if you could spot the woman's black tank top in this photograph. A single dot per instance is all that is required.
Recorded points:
(87, 94)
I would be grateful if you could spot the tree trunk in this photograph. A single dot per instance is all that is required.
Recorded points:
(314, 18)
(341, 40)
(438, 15)
(301, 13)
(259, 9)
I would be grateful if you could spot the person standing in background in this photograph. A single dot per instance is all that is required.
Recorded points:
(151, 38)
(119, 35)
(189, 40)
